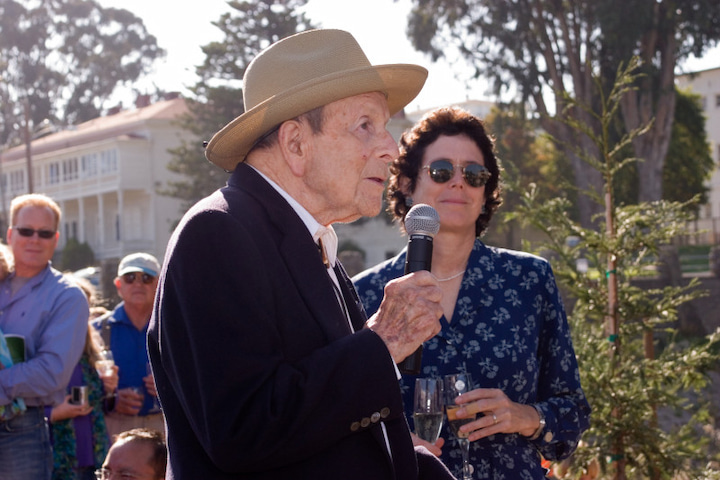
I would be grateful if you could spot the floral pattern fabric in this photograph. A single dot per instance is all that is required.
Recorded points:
(510, 332)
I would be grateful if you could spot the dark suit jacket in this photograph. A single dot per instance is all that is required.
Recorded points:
(257, 370)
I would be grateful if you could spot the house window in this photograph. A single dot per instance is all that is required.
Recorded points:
(70, 169)
(108, 161)
(89, 165)
(54, 173)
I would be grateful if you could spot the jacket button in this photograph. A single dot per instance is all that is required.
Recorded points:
(384, 412)
(375, 417)
(365, 422)
(355, 426)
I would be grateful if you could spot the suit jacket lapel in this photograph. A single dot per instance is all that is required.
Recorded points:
(352, 301)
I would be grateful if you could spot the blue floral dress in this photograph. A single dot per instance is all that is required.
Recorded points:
(509, 331)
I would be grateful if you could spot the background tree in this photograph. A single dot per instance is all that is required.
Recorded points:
(546, 48)
(62, 59)
(249, 28)
(632, 360)
(527, 158)
(689, 162)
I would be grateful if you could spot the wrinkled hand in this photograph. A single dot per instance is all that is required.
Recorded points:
(110, 382)
(435, 448)
(67, 410)
(409, 314)
(128, 402)
(150, 385)
(510, 417)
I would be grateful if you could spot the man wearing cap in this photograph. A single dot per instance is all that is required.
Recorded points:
(124, 331)
(49, 313)
(265, 363)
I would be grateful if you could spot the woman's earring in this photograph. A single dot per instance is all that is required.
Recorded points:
(409, 202)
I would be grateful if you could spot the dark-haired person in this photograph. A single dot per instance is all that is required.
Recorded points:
(49, 313)
(265, 363)
(504, 322)
(138, 453)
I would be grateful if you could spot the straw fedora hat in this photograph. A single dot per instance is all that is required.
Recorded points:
(302, 72)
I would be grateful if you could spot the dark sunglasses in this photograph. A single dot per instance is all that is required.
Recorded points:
(129, 278)
(29, 232)
(441, 171)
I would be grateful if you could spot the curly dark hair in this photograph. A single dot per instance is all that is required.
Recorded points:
(448, 121)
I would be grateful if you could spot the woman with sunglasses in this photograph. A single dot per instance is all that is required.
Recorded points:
(504, 321)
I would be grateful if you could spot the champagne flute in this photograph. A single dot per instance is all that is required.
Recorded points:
(105, 364)
(455, 385)
(428, 410)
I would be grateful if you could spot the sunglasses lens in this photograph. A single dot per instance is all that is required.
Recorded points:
(29, 232)
(476, 175)
(440, 171)
(145, 278)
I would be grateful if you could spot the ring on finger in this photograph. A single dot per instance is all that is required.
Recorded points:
(494, 418)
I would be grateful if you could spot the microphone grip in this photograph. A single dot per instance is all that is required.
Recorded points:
(419, 257)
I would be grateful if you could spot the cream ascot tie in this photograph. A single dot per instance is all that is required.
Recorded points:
(328, 241)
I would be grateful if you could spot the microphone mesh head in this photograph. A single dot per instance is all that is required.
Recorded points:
(422, 219)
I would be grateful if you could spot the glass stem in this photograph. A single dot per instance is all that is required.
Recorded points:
(465, 447)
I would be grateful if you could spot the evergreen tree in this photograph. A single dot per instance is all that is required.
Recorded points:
(633, 362)
(249, 28)
(61, 60)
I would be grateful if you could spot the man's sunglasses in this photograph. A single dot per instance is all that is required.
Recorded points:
(441, 171)
(29, 232)
(129, 278)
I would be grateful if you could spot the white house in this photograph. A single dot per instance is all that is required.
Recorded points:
(104, 174)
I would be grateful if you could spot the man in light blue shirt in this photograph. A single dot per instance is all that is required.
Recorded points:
(50, 313)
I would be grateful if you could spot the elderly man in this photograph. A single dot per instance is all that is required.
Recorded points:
(124, 332)
(49, 313)
(265, 363)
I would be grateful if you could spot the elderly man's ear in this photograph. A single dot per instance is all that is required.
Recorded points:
(293, 137)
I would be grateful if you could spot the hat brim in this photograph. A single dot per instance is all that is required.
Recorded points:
(400, 83)
(137, 269)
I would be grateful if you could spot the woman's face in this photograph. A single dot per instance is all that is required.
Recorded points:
(457, 203)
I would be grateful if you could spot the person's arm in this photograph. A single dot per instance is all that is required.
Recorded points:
(58, 350)
(560, 398)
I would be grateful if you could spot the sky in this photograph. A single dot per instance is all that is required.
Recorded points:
(181, 28)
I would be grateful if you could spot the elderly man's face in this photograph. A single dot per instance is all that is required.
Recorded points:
(350, 158)
(133, 290)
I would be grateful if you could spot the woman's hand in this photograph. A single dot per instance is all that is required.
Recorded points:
(67, 410)
(435, 448)
(498, 414)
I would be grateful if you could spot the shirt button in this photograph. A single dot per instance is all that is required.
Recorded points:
(548, 437)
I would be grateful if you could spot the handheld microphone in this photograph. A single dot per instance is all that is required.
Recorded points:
(422, 222)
